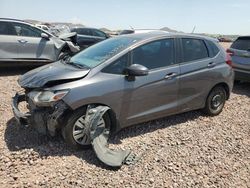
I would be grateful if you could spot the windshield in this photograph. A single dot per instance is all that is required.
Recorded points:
(99, 53)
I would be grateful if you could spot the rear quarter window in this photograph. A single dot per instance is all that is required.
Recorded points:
(194, 49)
(213, 49)
(242, 43)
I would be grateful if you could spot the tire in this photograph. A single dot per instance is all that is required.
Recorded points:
(215, 101)
(72, 126)
(62, 55)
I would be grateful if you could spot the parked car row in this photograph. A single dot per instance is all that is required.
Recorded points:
(23, 42)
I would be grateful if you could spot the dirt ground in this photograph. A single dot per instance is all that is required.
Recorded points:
(186, 150)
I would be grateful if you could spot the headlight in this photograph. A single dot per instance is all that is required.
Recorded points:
(45, 98)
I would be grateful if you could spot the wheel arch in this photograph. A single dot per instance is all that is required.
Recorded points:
(225, 86)
(112, 115)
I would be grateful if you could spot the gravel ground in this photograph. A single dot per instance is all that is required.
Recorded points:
(187, 150)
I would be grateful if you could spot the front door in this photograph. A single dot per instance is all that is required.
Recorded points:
(155, 95)
(8, 44)
(31, 46)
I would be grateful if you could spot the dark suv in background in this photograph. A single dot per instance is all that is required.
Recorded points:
(240, 52)
(88, 36)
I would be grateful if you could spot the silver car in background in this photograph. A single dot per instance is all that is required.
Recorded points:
(240, 53)
(23, 42)
(140, 77)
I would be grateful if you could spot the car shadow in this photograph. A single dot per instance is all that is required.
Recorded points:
(12, 71)
(19, 138)
(16, 69)
(242, 88)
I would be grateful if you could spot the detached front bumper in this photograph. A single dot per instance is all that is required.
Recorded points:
(22, 118)
(43, 119)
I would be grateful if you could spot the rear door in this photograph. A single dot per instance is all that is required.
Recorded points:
(8, 42)
(241, 53)
(31, 46)
(195, 73)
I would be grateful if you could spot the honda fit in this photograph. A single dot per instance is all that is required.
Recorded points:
(140, 77)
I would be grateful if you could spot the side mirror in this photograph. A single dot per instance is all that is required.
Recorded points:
(136, 70)
(45, 36)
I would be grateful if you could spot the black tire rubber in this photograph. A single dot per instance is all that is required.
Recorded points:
(62, 55)
(68, 128)
(209, 110)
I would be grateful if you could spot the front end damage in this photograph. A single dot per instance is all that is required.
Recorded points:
(45, 119)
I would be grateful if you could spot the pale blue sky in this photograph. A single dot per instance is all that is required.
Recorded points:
(209, 16)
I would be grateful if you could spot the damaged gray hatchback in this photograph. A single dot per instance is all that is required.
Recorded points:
(139, 77)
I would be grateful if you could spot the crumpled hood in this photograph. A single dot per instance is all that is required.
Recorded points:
(57, 72)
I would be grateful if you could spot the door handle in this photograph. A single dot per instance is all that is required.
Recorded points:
(171, 75)
(211, 64)
(22, 41)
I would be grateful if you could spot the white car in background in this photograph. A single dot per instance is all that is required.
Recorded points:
(23, 42)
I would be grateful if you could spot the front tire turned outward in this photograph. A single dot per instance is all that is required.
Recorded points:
(215, 101)
(76, 134)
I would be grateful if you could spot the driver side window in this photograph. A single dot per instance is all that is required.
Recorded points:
(26, 30)
(118, 66)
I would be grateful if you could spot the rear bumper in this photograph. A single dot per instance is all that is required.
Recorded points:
(243, 75)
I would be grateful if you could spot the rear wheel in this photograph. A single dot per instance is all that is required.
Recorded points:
(76, 133)
(215, 101)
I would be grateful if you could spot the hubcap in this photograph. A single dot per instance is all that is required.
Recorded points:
(81, 133)
(216, 101)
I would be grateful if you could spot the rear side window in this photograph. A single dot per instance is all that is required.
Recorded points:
(98, 33)
(242, 43)
(6, 29)
(194, 49)
(213, 49)
(84, 31)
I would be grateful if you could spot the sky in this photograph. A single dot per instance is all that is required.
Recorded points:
(208, 16)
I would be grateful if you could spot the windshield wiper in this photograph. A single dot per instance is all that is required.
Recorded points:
(67, 59)
(81, 66)
(78, 65)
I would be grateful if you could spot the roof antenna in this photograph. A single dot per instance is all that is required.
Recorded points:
(193, 29)
(131, 27)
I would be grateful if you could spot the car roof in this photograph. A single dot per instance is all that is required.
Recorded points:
(158, 33)
(246, 36)
(14, 20)
(24, 22)
(84, 28)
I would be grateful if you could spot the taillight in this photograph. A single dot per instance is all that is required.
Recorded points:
(230, 52)
(229, 60)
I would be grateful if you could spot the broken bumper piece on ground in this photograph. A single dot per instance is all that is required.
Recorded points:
(99, 137)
